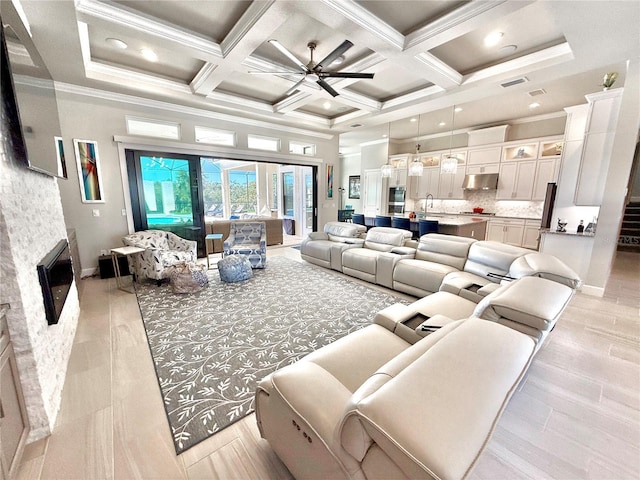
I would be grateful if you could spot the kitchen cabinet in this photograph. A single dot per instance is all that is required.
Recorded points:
(519, 151)
(483, 156)
(602, 117)
(505, 230)
(14, 424)
(546, 172)
(486, 168)
(372, 193)
(516, 179)
(450, 185)
(398, 178)
(420, 187)
(531, 234)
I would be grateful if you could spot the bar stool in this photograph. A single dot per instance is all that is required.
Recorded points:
(358, 218)
(383, 221)
(403, 223)
(427, 226)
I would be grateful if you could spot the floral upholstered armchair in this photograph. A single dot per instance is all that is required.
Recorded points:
(250, 239)
(162, 249)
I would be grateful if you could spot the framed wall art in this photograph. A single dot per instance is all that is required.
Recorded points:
(62, 162)
(89, 174)
(329, 181)
(354, 186)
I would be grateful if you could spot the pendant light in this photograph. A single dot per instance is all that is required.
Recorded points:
(415, 168)
(449, 164)
(387, 170)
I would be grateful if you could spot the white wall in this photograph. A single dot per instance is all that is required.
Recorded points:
(89, 118)
(31, 224)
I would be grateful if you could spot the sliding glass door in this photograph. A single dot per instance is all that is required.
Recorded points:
(165, 194)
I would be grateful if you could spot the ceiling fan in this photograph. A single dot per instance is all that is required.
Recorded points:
(313, 72)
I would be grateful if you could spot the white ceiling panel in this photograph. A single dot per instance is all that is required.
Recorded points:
(170, 64)
(212, 19)
(530, 29)
(407, 15)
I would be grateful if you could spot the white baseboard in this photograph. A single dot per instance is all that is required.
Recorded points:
(88, 272)
(592, 291)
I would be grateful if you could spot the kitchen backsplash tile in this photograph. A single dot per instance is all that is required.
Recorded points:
(485, 200)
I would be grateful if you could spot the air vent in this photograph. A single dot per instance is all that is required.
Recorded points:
(515, 81)
(356, 125)
(535, 93)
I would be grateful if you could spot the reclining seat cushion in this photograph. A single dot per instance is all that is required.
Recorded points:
(437, 255)
(419, 277)
(485, 257)
(343, 232)
(434, 418)
(530, 305)
(384, 239)
(492, 257)
(545, 266)
(444, 249)
(313, 392)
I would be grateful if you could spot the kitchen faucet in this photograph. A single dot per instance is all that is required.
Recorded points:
(424, 210)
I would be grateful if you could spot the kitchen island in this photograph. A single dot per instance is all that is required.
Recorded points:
(461, 225)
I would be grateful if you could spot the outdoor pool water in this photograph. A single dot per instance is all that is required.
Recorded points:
(169, 220)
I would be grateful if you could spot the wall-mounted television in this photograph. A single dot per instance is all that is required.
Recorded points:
(55, 272)
(30, 107)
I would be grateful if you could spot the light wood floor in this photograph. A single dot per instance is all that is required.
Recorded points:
(576, 415)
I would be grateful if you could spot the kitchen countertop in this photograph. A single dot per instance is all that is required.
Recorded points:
(483, 216)
(453, 220)
(575, 234)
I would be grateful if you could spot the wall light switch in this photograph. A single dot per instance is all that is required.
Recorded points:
(124, 212)
(95, 212)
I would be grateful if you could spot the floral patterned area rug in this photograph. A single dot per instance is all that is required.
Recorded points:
(211, 348)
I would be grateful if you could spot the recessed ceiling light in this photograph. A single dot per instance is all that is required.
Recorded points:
(116, 42)
(508, 49)
(493, 38)
(442, 124)
(534, 105)
(327, 105)
(149, 54)
(413, 120)
(457, 109)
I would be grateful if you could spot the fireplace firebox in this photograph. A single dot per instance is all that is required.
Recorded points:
(56, 275)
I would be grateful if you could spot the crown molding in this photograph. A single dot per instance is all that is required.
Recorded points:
(412, 97)
(555, 54)
(454, 22)
(248, 20)
(441, 68)
(172, 108)
(98, 71)
(129, 18)
(365, 19)
(198, 84)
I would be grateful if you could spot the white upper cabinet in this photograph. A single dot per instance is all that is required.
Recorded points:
(484, 155)
(515, 181)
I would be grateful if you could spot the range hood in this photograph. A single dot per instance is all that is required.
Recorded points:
(482, 181)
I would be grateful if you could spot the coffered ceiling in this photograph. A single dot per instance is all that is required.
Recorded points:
(426, 56)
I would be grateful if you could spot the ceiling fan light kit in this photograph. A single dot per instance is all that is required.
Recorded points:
(312, 71)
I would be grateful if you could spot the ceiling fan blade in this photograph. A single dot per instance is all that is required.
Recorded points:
(327, 87)
(294, 88)
(345, 75)
(252, 72)
(288, 54)
(343, 47)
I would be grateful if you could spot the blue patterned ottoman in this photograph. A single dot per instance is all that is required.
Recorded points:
(235, 268)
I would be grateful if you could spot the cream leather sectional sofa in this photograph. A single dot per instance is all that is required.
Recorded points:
(418, 393)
